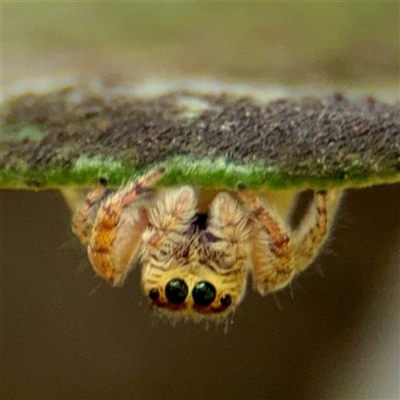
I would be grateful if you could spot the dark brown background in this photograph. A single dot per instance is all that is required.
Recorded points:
(337, 338)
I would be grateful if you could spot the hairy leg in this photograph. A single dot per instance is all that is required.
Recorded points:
(117, 229)
(230, 226)
(313, 230)
(272, 253)
(169, 220)
(227, 247)
(83, 219)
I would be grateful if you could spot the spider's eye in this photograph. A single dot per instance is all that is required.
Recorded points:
(176, 291)
(226, 300)
(154, 294)
(204, 293)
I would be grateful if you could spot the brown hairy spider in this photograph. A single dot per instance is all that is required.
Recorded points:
(195, 263)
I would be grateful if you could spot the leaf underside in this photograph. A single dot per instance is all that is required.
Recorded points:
(206, 134)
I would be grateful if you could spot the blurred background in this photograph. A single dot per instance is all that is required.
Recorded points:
(66, 335)
(353, 44)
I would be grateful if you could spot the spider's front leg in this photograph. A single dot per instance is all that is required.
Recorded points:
(83, 219)
(115, 236)
(278, 254)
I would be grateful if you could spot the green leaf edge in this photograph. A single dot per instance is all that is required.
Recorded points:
(205, 173)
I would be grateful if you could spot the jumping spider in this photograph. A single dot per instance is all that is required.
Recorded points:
(195, 264)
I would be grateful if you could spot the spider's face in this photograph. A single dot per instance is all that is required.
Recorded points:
(194, 292)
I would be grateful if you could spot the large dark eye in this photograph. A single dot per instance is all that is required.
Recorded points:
(176, 291)
(204, 293)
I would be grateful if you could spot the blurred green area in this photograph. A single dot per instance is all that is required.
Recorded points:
(354, 44)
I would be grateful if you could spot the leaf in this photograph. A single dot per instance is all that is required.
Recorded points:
(205, 133)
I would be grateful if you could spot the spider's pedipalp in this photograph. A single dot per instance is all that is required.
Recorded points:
(230, 225)
(229, 246)
(171, 218)
(117, 230)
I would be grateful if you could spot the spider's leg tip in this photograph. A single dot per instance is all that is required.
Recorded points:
(161, 169)
(103, 181)
(241, 186)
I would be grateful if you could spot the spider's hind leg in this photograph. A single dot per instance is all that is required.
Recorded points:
(314, 228)
(278, 253)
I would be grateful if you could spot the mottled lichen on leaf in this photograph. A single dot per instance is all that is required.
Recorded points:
(207, 134)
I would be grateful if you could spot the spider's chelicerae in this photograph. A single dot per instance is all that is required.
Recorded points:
(197, 248)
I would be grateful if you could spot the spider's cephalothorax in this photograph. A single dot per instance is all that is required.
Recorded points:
(195, 262)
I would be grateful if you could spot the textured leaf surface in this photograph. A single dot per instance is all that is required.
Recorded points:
(206, 133)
